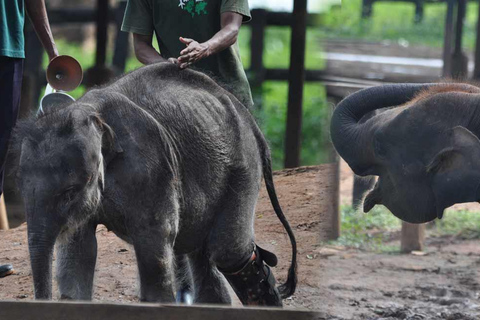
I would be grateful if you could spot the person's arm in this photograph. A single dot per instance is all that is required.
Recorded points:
(38, 15)
(227, 36)
(145, 52)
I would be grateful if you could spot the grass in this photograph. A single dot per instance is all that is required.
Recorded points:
(367, 231)
(395, 22)
(271, 100)
(372, 231)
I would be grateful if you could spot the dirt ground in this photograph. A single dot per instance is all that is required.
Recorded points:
(441, 283)
(338, 282)
(305, 195)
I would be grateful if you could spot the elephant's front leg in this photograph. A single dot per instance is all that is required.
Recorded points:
(155, 258)
(76, 258)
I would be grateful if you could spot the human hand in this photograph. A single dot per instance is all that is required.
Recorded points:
(173, 60)
(192, 53)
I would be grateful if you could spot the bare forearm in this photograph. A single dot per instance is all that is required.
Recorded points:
(38, 15)
(222, 40)
(144, 51)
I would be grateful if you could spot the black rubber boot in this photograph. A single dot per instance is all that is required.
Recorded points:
(254, 283)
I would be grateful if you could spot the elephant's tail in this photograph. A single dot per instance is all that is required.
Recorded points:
(288, 288)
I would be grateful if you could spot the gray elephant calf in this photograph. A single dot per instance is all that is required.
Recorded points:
(169, 161)
(422, 144)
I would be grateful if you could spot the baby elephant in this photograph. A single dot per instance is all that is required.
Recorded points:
(169, 161)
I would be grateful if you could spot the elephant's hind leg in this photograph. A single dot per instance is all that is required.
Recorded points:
(209, 285)
(232, 248)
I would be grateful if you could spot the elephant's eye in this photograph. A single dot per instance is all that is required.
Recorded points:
(379, 149)
(68, 193)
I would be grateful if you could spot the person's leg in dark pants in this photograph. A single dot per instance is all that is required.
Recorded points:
(11, 70)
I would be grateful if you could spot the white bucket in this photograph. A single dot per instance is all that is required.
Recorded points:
(54, 99)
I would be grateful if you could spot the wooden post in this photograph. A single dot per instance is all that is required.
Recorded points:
(257, 43)
(100, 74)
(3, 215)
(459, 59)
(413, 237)
(122, 45)
(296, 79)
(334, 157)
(448, 37)
(367, 8)
(102, 32)
(336, 217)
(418, 11)
(476, 71)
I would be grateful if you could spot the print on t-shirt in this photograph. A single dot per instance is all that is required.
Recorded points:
(194, 7)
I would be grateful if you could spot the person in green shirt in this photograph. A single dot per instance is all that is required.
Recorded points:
(12, 53)
(202, 33)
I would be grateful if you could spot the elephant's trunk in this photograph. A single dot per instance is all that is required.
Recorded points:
(345, 129)
(42, 235)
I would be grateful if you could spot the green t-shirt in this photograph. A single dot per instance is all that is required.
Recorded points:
(198, 20)
(12, 19)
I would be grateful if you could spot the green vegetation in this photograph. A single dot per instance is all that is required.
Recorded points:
(272, 100)
(367, 231)
(372, 231)
(395, 21)
(462, 224)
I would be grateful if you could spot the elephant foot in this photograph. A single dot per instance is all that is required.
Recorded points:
(254, 283)
(185, 296)
(6, 270)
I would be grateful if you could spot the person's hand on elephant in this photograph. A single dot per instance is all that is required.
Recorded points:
(174, 61)
(192, 53)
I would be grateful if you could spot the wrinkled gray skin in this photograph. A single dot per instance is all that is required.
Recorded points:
(424, 151)
(168, 160)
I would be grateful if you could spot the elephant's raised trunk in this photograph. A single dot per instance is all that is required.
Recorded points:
(345, 129)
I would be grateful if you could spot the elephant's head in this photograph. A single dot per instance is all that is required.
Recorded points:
(424, 156)
(60, 176)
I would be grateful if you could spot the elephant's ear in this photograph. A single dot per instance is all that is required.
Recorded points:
(456, 170)
(110, 144)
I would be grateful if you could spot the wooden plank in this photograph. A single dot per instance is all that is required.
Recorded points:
(67, 16)
(296, 80)
(94, 311)
(3, 215)
(284, 18)
(86, 15)
(413, 237)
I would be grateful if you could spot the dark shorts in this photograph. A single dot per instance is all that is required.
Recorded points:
(11, 70)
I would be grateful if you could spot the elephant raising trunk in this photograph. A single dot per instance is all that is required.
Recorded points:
(422, 144)
(345, 128)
